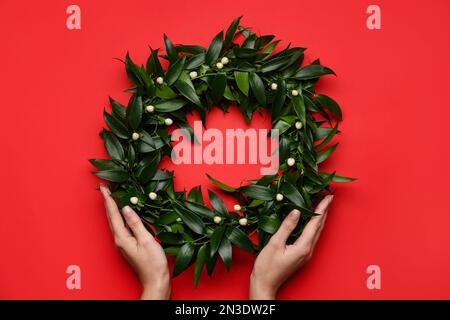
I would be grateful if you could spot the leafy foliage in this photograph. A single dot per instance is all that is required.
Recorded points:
(253, 76)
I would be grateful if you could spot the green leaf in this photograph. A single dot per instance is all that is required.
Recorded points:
(147, 82)
(195, 195)
(273, 64)
(299, 107)
(169, 105)
(117, 110)
(171, 238)
(269, 224)
(337, 178)
(312, 71)
(170, 50)
(192, 49)
(241, 239)
(184, 258)
(113, 175)
(266, 180)
(171, 251)
(134, 112)
(218, 85)
(132, 70)
(214, 49)
(225, 252)
(245, 53)
(291, 192)
(200, 210)
(284, 149)
(322, 133)
(189, 218)
(153, 65)
(221, 185)
(174, 71)
(147, 167)
(104, 164)
(279, 99)
(112, 145)
(167, 218)
(195, 61)
(116, 126)
(242, 81)
(216, 239)
(189, 132)
(263, 41)
(189, 92)
(270, 48)
(255, 203)
(211, 261)
(229, 94)
(330, 104)
(231, 31)
(165, 92)
(328, 138)
(323, 155)
(217, 203)
(258, 192)
(282, 126)
(200, 262)
(131, 156)
(257, 86)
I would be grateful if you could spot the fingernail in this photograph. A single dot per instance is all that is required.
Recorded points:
(127, 210)
(104, 189)
(295, 214)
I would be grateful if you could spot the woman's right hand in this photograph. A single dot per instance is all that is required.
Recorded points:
(278, 261)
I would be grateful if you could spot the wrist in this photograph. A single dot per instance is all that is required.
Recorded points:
(156, 291)
(261, 291)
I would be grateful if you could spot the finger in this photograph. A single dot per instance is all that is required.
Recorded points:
(313, 228)
(322, 224)
(136, 225)
(287, 226)
(112, 211)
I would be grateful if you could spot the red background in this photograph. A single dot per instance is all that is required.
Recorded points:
(392, 84)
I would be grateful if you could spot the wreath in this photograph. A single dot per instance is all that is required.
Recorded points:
(252, 76)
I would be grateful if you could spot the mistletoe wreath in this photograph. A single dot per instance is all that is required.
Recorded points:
(253, 76)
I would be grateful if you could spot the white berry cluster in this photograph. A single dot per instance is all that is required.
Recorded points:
(222, 63)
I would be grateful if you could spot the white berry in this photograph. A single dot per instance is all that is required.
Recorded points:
(243, 221)
(294, 93)
(279, 197)
(159, 80)
(237, 207)
(152, 195)
(150, 108)
(135, 136)
(217, 219)
(134, 200)
(219, 65)
(290, 162)
(298, 125)
(193, 74)
(274, 86)
(179, 220)
(168, 122)
(225, 60)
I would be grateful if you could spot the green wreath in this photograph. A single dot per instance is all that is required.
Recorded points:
(252, 76)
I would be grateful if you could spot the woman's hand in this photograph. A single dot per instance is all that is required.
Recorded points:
(278, 261)
(139, 248)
